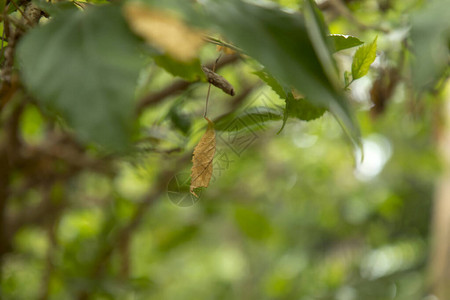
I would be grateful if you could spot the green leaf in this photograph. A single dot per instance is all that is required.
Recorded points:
(54, 8)
(191, 71)
(364, 57)
(254, 118)
(272, 82)
(295, 108)
(430, 36)
(280, 41)
(84, 65)
(302, 109)
(318, 33)
(341, 42)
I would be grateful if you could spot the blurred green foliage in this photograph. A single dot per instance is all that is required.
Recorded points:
(294, 215)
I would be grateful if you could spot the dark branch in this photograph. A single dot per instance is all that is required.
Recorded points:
(179, 85)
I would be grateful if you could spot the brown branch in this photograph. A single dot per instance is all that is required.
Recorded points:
(179, 85)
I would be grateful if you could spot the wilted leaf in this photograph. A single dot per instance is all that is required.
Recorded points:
(364, 57)
(164, 31)
(191, 70)
(341, 41)
(218, 81)
(85, 65)
(202, 161)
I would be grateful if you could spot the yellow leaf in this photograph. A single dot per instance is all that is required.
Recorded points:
(164, 31)
(202, 161)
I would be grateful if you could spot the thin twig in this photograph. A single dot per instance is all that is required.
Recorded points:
(209, 88)
(179, 85)
(21, 12)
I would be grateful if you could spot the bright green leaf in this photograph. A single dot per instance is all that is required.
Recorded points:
(84, 65)
(341, 42)
(364, 57)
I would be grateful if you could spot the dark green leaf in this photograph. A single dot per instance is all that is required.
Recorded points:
(180, 120)
(364, 57)
(280, 41)
(295, 108)
(341, 42)
(190, 71)
(430, 35)
(84, 65)
(302, 109)
(318, 33)
(54, 8)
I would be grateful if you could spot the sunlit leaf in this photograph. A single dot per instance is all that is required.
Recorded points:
(364, 57)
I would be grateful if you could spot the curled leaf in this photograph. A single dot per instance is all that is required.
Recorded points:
(218, 81)
(202, 160)
(164, 31)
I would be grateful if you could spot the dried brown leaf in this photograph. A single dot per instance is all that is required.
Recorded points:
(164, 31)
(202, 161)
(218, 81)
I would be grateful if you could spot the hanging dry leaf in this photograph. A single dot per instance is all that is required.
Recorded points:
(202, 161)
(164, 31)
(218, 81)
